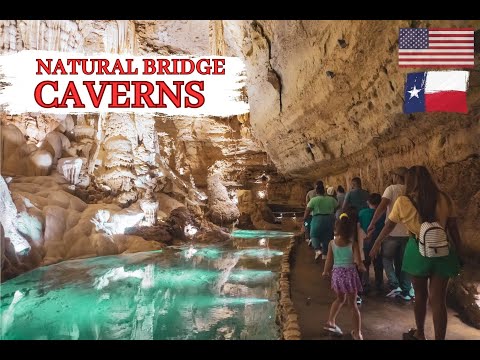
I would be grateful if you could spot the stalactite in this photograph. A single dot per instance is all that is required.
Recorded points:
(52, 35)
(149, 207)
(70, 169)
(217, 41)
(120, 37)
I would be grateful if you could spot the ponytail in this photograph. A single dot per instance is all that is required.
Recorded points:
(320, 188)
(345, 226)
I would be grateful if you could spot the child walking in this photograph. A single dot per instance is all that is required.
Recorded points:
(364, 218)
(342, 256)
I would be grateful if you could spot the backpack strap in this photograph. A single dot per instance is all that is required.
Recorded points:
(412, 201)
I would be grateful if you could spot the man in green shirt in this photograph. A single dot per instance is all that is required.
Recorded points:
(357, 197)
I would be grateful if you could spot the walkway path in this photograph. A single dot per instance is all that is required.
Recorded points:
(383, 318)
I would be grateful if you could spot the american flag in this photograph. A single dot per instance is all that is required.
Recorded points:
(435, 47)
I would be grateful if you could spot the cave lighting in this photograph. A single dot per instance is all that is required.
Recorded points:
(263, 242)
(115, 275)
(147, 281)
(190, 230)
(258, 253)
(262, 194)
(7, 316)
(190, 252)
(21, 246)
(181, 171)
(233, 196)
(115, 224)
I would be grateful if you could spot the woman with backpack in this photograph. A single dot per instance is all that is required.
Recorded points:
(429, 214)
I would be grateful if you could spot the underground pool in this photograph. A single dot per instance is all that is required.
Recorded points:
(226, 291)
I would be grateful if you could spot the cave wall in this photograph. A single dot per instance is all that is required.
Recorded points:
(325, 96)
(193, 144)
(326, 101)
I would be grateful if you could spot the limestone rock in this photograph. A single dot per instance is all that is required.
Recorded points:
(464, 295)
(223, 210)
(58, 142)
(159, 233)
(179, 219)
(11, 143)
(211, 233)
(70, 168)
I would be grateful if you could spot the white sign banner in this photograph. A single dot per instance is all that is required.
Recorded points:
(71, 83)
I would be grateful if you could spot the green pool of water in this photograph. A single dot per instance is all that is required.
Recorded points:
(254, 234)
(210, 292)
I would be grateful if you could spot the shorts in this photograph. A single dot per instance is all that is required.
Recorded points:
(417, 265)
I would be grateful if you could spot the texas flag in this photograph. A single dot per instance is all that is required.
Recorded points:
(432, 91)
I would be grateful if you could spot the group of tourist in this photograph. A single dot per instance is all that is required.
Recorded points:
(358, 229)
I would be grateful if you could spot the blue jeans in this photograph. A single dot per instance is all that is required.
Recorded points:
(321, 231)
(377, 268)
(393, 249)
(308, 220)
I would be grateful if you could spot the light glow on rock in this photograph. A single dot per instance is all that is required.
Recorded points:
(115, 275)
(190, 230)
(190, 252)
(9, 219)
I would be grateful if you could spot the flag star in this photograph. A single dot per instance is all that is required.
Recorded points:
(414, 92)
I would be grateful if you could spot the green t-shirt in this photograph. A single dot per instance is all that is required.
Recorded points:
(322, 205)
(357, 198)
(365, 216)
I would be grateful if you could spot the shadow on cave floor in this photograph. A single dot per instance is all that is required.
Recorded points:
(382, 318)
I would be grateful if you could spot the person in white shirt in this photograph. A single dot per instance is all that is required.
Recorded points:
(394, 245)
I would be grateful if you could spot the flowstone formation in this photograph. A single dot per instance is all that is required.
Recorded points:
(94, 185)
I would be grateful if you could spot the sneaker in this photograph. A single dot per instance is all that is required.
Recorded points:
(318, 253)
(394, 292)
(404, 296)
(333, 329)
(359, 300)
(411, 292)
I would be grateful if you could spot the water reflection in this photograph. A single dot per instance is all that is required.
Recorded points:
(192, 292)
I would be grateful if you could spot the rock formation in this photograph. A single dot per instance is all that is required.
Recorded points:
(222, 210)
(70, 169)
(325, 103)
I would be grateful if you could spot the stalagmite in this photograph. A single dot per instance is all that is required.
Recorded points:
(149, 207)
(70, 168)
(8, 218)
